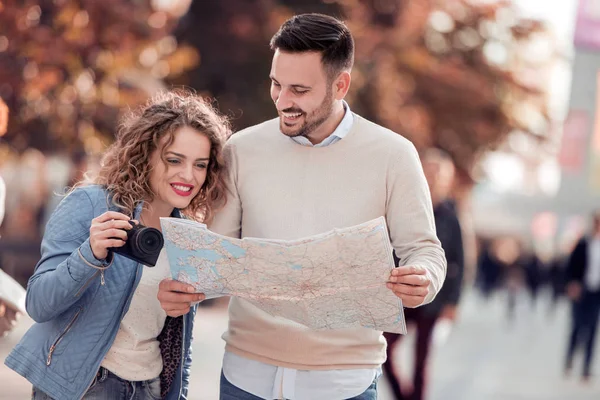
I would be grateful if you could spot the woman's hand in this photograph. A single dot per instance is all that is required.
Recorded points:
(108, 230)
(176, 298)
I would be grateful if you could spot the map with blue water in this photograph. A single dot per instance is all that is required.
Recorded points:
(333, 280)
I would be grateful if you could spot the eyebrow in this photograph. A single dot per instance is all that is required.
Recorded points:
(182, 156)
(297, 85)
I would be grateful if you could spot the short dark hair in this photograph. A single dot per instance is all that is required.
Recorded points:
(317, 32)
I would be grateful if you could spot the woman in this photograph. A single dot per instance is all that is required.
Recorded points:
(100, 331)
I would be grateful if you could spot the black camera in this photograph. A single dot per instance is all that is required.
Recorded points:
(143, 244)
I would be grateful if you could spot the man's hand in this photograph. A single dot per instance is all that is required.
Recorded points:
(410, 284)
(177, 297)
(574, 290)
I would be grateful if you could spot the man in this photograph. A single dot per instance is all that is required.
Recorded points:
(439, 171)
(317, 167)
(583, 288)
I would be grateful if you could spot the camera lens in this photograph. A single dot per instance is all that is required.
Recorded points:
(149, 241)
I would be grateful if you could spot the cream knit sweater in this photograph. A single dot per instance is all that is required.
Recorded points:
(282, 190)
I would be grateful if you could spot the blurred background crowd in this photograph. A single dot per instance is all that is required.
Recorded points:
(508, 89)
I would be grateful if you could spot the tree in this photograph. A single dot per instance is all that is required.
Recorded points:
(459, 75)
(455, 74)
(68, 67)
(232, 38)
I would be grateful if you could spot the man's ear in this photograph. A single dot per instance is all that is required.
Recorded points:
(342, 85)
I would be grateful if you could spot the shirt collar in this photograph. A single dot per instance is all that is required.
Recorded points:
(339, 133)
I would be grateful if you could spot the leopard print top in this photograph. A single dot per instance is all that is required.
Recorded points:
(171, 348)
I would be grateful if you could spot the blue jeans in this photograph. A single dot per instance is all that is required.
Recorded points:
(230, 392)
(108, 386)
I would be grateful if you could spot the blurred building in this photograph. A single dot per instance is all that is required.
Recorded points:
(544, 191)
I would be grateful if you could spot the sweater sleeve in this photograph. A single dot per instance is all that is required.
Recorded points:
(409, 216)
(228, 221)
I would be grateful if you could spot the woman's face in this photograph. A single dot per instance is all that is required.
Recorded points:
(180, 180)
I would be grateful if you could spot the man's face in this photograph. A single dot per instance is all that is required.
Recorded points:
(440, 175)
(302, 93)
(432, 173)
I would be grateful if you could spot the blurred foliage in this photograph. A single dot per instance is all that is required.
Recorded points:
(461, 75)
(457, 74)
(68, 67)
(232, 37)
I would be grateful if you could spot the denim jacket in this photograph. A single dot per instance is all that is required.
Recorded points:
(77, 317)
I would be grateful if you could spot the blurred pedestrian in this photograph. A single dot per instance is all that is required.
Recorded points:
(439, 171)
(534, 274)
(583, 288)
(489, 269)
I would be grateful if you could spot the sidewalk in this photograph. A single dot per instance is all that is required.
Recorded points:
(488, 358)
(484, 358)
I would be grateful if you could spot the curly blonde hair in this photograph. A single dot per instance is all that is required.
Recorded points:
(125, 168)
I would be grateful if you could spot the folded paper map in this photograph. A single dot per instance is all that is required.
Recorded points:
(12, 293)
(332, 280)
